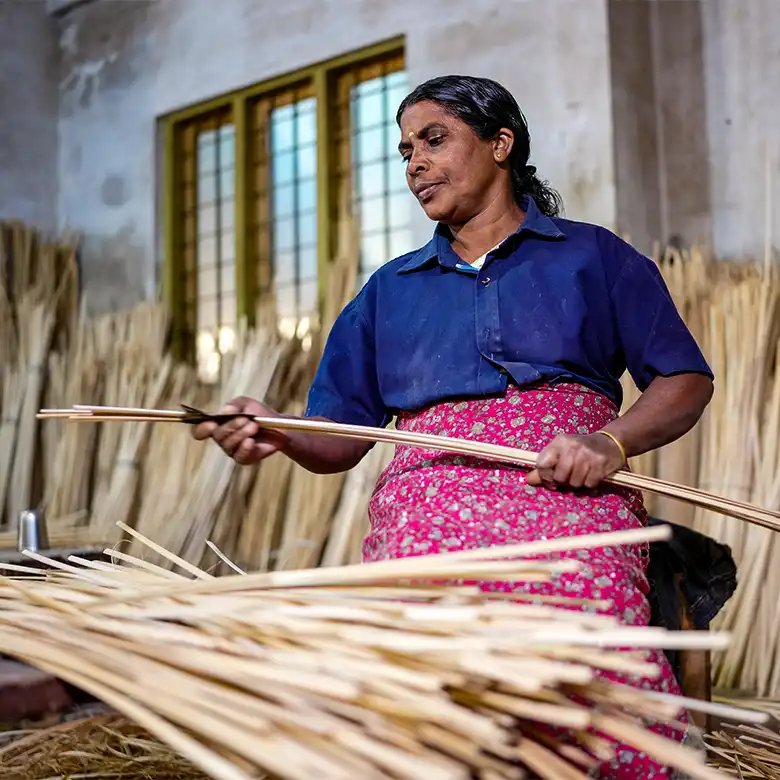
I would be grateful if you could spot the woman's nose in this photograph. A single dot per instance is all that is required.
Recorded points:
(417, 163)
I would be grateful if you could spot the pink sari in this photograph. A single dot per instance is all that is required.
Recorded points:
(430, 502)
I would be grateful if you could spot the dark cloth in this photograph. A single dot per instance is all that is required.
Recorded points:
(557, 301)
(695, 567)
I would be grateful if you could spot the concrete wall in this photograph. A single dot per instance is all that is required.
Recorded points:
(684, 175)
(650, 117)
(126, 62)
(635, 126)
(28, 113)
(742, 70)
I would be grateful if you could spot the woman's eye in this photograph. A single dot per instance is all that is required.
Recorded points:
(435, 140)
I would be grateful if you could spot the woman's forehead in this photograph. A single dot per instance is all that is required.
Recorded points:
(418, 115)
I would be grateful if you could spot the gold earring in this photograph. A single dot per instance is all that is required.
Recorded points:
(500, 156)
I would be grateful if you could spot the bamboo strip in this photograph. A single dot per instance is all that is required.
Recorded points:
(729, 507)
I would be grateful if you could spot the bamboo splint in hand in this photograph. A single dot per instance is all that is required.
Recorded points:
(720, 504)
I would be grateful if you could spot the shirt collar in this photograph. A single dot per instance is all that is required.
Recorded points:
(535, 222)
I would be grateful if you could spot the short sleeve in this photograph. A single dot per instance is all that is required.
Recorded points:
(345, 387)
(656, 341)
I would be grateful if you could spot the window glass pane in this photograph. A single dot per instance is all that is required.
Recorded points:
(293, 170)
(382, 198)
(215, 312)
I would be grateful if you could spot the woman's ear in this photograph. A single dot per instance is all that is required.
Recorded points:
(502, 144)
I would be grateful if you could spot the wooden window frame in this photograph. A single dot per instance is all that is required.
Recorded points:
(324, 78)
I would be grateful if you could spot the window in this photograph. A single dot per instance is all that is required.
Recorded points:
(256, 183)
(215, 312)
(285, 206)
(369, 163)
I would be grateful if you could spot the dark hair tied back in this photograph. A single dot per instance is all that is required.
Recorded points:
(485, 106)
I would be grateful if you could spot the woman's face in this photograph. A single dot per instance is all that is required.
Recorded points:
(453, 173)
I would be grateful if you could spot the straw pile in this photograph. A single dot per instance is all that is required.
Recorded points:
(377, 670)
(103, 746)
(746, 751)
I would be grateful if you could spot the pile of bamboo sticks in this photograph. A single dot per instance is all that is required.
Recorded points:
(375, 671)
(85, 479)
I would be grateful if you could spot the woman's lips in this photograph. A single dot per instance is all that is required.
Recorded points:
(427, 191)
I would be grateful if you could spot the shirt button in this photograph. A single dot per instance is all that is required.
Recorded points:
(486, 281)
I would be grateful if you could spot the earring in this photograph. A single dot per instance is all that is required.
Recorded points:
(500, 156)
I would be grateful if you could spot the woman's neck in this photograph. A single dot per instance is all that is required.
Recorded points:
(486, 230)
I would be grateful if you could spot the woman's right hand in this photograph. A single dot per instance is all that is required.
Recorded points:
(242, 438)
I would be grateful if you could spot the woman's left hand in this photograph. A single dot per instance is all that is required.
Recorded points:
(576, 461)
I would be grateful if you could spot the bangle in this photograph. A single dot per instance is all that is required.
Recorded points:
(617, 443)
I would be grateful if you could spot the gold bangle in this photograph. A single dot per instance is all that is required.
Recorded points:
(617, 442)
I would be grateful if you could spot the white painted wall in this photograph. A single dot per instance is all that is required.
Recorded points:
(126, 62)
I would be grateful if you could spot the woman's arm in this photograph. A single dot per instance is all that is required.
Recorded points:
(667, 410)
(244, 441)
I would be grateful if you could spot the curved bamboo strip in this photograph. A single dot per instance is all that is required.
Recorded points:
(699, 498)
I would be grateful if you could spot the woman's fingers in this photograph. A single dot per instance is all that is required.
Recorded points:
(203, 431)
(231, 435)
(546, 462)
(562, 472)
(580, 473)
(241, 438)
(250, 452)
(574, 461)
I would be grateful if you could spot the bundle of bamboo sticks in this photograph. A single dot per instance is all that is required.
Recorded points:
(376, 670)
(38, 299)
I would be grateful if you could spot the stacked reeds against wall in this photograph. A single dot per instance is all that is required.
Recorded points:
(38, 300)
(734, 311)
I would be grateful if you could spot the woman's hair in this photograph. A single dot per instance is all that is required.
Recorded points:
(485, 106)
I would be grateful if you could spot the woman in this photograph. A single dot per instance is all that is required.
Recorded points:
(511, 326)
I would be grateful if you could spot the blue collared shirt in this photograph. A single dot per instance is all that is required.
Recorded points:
(557, 301)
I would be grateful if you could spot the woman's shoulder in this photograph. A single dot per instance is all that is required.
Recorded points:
(616, 254)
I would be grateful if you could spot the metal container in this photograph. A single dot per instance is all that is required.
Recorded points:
(32, 533)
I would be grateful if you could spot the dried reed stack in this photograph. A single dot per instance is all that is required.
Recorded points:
(734, 310)
(38, 295)
(374, 671)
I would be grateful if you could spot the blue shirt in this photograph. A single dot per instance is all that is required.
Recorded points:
(557, 301)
